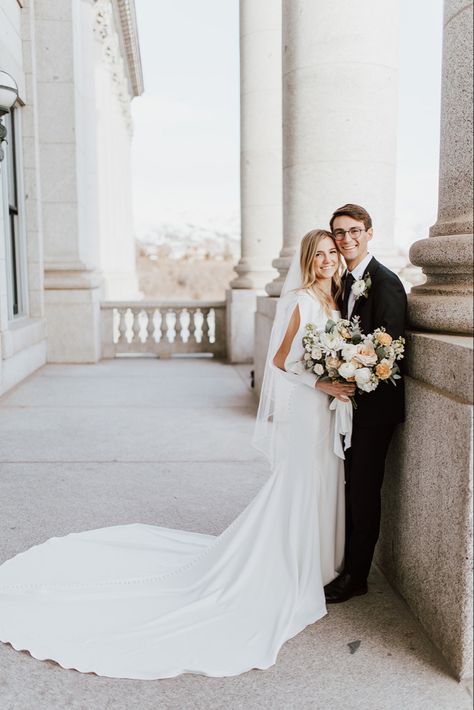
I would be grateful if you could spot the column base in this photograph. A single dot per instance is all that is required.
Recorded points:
(445, 302)
(240, 314)
(264, 317)
(72, 310)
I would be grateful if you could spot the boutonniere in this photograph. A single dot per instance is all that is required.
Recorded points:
(361, 286)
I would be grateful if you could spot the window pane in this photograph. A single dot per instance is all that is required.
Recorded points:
(9, 121)
(14, 242)
(14, 264)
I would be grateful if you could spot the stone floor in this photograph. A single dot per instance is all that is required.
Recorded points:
(167, 443)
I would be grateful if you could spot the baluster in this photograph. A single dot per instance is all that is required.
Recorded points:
(150, 326)
(164, 326)
(192, 325)
(122, 328)
(185, 323)
(135, 325)
(205, 325)
(178, 337)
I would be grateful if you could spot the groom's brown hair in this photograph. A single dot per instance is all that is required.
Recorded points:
(354, 211)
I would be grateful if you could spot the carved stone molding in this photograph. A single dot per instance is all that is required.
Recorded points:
(106, 33)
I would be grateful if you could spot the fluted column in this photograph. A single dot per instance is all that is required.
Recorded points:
(260, 139)
(340, 77)
(444, 302)
(260, 169)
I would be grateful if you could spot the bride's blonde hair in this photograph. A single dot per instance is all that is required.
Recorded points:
(308, 250)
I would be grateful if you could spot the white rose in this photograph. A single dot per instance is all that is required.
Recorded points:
(358, 287)
(347, 370)
(307, 356)
(316, 354)
(370, 386)
(349, 351)
(318, 369)
(332, 341)
(362, 376)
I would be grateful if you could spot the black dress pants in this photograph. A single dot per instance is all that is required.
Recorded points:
(364, 471)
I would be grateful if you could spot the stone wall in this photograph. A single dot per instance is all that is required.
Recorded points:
(23, 335)
(425, 548)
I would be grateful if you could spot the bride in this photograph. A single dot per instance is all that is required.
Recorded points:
(145, 602)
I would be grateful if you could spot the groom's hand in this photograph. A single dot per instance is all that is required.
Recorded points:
(339, 390)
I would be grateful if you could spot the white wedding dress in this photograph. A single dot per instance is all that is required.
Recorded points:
(145, 602)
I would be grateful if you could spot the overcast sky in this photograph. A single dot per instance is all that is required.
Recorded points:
(186, 137)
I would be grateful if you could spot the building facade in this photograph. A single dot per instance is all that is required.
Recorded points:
(66, 236)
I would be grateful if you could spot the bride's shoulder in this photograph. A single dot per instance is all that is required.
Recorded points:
(307, 297)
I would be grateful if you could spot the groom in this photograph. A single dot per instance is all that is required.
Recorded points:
(376, 295)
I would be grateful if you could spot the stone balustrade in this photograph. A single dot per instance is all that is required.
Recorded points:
(163, 328)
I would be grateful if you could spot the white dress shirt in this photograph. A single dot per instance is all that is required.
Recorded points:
(357, 273)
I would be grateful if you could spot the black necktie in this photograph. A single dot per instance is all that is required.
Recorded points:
(348, 281)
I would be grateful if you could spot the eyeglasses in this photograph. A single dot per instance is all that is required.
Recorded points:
(355, 232)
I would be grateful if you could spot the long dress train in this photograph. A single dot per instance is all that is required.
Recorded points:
(145, 602)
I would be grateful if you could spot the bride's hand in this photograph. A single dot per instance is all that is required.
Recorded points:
(339, 390)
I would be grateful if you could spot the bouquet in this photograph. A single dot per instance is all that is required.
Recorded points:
(342, 353)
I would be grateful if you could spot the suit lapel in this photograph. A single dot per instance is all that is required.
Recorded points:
(371, 268)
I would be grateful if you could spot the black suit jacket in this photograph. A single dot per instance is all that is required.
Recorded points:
(385, 305)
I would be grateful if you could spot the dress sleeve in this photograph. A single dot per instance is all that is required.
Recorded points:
(295, 371)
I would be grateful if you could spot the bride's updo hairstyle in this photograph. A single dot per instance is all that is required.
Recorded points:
(308, 250)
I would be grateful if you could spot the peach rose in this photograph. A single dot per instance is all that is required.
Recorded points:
(333, 362)
(384, 339)
(366, 353)
(383, 370)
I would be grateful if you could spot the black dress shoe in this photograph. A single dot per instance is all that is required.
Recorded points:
(343, 588)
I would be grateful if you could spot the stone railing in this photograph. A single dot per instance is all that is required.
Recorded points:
(163, 328)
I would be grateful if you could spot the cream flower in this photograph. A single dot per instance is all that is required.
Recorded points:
(349, 351)
(366, 353)
(365, 380)
(358, 287)
(383, 370)
(347, 370)
(332, 341)
(318, 369)
(384, 339)
(362, 376)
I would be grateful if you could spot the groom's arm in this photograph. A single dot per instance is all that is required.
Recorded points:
(390, 306)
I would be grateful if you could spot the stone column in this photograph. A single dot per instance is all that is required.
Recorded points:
(260, 168)
(67, 137)
(425, 547)
(340, 76)
(444, 302)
